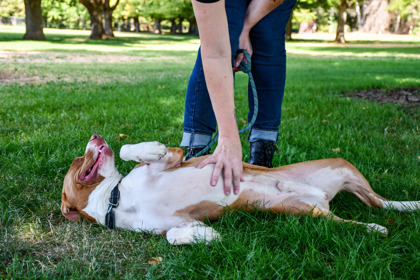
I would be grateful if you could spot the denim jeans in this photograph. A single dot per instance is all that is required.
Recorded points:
(268, 68)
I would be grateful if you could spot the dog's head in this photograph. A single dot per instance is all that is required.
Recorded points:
(85, 174)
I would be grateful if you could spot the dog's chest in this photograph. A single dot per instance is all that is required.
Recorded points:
(149, 200)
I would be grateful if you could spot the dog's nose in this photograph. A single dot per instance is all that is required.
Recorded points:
(96, 136)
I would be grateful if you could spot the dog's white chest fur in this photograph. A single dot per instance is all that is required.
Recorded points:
(149, 199)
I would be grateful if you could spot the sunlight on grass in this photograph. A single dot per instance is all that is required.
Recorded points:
(55, 94)
(77, 40)
(359, 51)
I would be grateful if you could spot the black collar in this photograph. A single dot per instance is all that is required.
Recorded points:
(113, 203)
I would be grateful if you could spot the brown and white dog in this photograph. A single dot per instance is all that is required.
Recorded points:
(165, 195)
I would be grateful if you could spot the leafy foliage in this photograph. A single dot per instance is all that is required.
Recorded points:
(68, 88)
(12, 8)
(65, 14)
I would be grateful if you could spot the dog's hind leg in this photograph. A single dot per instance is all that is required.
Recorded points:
(361, 188)
(191, 233)
(316, 212)
(370, 227)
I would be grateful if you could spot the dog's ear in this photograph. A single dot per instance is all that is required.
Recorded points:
(68, 211)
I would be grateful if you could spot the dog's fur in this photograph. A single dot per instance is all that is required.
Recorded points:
(164, 195)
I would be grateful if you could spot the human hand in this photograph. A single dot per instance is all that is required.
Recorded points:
(228, 161)
(244, 43)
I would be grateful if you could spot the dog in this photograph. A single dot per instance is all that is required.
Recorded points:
(163, 195)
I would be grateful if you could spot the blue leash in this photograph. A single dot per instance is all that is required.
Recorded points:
(246, 68)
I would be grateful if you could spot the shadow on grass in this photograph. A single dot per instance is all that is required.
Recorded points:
(361, 50)
(121, 38)
(353, 42)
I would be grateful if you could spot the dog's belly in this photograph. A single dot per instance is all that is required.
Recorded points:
(162, 200)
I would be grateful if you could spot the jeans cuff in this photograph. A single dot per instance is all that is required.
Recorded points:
(195, 140)
(259, 134)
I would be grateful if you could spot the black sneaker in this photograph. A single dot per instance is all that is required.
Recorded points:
(193, 151)
(262, 152)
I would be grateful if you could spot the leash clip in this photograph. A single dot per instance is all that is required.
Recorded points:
(114, 205)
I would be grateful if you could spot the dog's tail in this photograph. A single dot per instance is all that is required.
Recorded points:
(361, 188)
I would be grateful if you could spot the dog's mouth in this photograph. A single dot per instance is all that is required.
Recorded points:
(92, 171)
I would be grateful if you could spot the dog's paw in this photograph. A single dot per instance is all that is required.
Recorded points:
(190, 233)
(153, 151)
(371, 227)
(146, 152)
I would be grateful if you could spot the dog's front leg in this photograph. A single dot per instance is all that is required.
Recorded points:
(191, 233)
(146, 152)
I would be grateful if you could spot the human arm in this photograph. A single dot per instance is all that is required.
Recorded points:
(216, 57)
(255, 11)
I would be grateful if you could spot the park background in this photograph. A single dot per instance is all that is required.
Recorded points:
(352, 93)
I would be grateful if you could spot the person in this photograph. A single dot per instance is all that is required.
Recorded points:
(257, 26)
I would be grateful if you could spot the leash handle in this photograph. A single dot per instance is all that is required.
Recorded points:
(244, 66)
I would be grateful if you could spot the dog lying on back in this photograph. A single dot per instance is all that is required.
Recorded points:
(164, 195)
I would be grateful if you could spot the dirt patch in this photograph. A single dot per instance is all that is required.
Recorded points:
(10, 77)
(60, 57)
(409, 96)
(15, 77)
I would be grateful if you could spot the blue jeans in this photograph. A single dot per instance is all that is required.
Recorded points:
(268, 68)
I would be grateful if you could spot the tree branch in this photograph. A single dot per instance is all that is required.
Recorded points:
(115, 6)
(87, 4)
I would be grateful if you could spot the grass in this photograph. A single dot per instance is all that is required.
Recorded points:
(135, 85)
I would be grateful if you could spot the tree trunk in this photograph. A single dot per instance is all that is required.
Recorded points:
(376, 16)
(157, 26)
(173, 26)
(97, 27)
(193, 29)
(136, 24)
(359, 16)
(108, 10)
(34, 29)
(342, 18)
(288, 34)
(95, 9)
(108, 28)
(397, 24)
(179, 26)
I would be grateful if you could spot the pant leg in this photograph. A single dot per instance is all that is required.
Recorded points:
(269, 71)
(199, 119)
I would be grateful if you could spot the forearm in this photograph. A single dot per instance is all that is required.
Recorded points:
(216, 57)
(257, 10)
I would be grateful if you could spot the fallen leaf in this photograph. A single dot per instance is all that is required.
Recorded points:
(324, 121)
(336, 150)
(390, 221)
(122, 136)
(155, 260)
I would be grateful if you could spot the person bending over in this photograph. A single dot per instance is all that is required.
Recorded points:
(257, 26)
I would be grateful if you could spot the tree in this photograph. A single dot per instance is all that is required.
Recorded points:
(303, 11)
(407, 13)
(95, 9)
(34, 27)
(130, 9)
(108, 10)
(375, 16)
(12, 8)
(173, 10)
(68, 14)
(341, 22)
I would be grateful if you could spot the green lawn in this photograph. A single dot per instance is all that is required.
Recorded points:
(54, 95)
